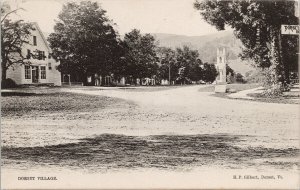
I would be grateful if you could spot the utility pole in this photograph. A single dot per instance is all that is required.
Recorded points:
(169, 73)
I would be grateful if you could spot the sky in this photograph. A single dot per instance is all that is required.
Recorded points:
(149, 16)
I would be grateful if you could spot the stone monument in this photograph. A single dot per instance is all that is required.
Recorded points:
(221, 68)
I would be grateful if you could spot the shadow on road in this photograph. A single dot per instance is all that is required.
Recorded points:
(110, 151)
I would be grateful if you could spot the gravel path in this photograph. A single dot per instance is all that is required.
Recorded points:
(244, 93)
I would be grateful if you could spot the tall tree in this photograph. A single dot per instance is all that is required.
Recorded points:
(167, 60)
(14, 34)
(209, 72)
(189, 60)
(257, 24)
(140, 54)
(84, 39)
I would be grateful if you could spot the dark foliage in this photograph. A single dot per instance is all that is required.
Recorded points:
(84, 40)
(8, 83)
(257, 24)
(14, 34)
(140, 55)
(210, 72)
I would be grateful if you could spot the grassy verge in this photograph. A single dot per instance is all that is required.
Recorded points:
(241, 87)
(144, 88)
(147, 88)
(129, 88)
(257, 96)
(42, 101)
(280, 99)
(237, 87)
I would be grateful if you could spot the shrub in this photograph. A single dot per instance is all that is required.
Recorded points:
(273, 90)
(239, 78)
(8, 83)
(255, 76)
(271, 87)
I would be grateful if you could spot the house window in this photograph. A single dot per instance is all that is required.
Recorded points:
(43, 72)
(27, 72)
(49, 66)
(43, 55)
(28, 54)
(34, 40)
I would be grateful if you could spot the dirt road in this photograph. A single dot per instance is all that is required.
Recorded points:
(159, 134)
(186, 111)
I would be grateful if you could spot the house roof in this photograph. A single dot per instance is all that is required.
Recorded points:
(42, 35)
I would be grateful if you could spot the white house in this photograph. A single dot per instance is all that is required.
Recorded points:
(42, 68)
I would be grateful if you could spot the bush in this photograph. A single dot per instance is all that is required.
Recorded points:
(271, 87)
(255, 76)
(8, 83)
(239, 78)
(273, 90)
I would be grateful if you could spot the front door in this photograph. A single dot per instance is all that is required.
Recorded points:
(35, 74)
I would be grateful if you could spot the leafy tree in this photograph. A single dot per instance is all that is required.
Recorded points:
(229, 70)
(167, 59)
(239, 78)
(209, 72)
(196, 72)
(14, 35)
(230, 74)
(257, 24)
(185, 64)
(189, 60)
(84, 40)
(140, 54)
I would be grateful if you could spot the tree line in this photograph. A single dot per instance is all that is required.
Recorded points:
(85, 42)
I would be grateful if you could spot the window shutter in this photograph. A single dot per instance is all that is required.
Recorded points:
(34, 41)
(28, 54)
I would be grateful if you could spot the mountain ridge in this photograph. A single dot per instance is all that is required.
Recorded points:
(207, 47)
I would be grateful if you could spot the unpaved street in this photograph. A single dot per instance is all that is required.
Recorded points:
(186, 111)
(176, 111)
(172, 131)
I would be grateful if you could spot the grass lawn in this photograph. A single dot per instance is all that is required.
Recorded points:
(238, 87)
(39, 101)
(256, 96)
(280, 99)
(147, 88)
(139, 88)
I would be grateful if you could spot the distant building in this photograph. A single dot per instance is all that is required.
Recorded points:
(42, 68)
(94, 79)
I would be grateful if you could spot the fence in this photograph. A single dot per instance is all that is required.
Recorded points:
(72, 83)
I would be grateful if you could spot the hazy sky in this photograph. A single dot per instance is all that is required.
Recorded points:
(149, 16)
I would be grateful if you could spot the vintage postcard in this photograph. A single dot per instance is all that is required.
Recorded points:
(150, 94)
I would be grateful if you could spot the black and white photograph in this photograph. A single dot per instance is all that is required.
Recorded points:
(150, 94)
